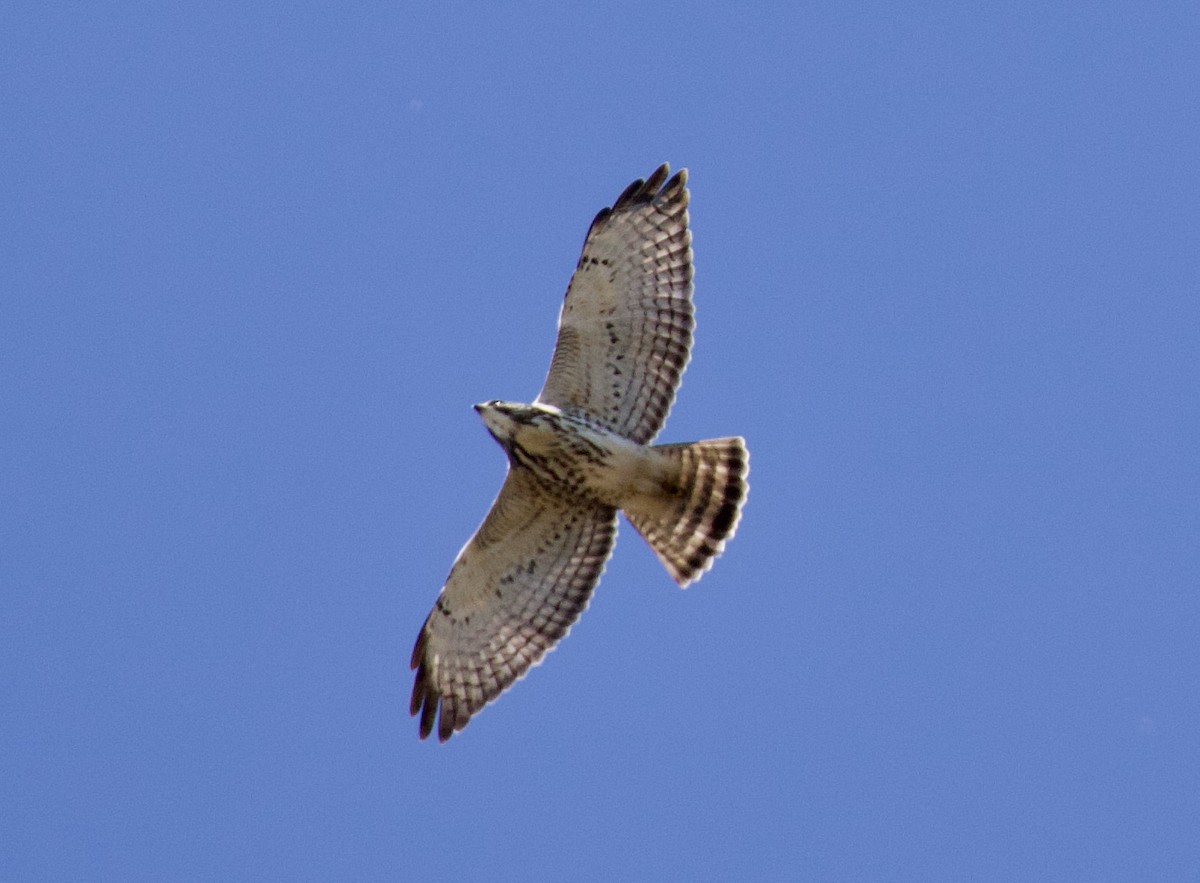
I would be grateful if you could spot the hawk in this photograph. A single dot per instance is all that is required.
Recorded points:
(578, 454)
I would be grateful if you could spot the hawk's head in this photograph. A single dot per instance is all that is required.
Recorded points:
(513, 423)
(498, 418)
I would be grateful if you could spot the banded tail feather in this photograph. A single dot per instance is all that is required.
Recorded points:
(688, 529)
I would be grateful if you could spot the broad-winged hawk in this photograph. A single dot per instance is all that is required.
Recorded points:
(578, 454)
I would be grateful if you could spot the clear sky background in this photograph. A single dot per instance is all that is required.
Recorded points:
(258, 260)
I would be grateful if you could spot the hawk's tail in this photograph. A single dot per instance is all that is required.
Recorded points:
(687, 529)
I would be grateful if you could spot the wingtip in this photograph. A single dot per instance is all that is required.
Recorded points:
(656, 179)
(629, 195)
(428, 709)
(677, 184)
(660, 186)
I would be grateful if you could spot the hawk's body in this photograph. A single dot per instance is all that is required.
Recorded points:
(577, 455)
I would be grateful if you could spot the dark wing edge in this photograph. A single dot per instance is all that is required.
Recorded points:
(643, 191)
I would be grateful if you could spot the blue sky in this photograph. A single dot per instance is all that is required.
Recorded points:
(258, 260)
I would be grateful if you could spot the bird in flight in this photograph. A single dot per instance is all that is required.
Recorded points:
(578, 454)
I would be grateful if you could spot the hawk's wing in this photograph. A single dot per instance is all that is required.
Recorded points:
(512, 594)
(625, 332)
